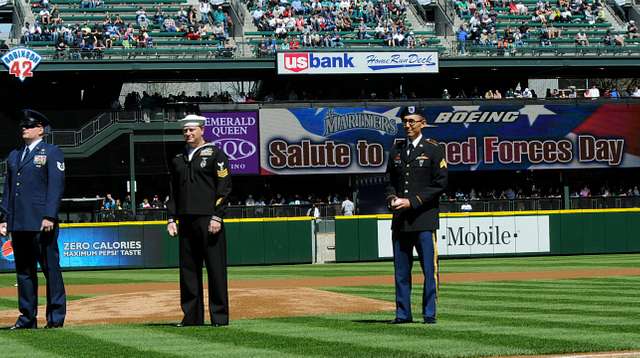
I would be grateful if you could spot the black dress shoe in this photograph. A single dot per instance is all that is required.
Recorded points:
(53, 325)
(400, 321)
(430, 320)
(219, 324)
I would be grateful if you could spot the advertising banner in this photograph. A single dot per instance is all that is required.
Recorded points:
(481, 236)
(478, 137)
(326, 140)
(237, 134)
(97, 247)
(318, 63)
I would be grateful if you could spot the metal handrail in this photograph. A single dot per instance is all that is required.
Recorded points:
(332, 210)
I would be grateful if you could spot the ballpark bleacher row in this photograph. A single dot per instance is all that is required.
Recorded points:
(540, 29)
(192, 39)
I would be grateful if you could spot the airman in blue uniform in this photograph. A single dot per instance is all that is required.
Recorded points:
(416, 176)
(29, 211)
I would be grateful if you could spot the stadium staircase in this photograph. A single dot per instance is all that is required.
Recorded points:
(108, 126)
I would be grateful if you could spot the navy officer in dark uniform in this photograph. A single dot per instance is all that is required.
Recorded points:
(29, 211)
(199, 187)
(416, 176)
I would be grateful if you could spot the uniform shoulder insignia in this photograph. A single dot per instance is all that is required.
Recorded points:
(432, 141)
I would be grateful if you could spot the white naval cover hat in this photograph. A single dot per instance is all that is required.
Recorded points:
(193, 120)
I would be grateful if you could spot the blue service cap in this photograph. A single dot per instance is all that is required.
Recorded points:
(31, 118)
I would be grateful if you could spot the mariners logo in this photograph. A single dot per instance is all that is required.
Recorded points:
(21, 62)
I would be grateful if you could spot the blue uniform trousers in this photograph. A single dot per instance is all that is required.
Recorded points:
(31, 248)
(425, 244)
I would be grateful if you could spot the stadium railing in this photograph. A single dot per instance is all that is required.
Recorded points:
(331, 210)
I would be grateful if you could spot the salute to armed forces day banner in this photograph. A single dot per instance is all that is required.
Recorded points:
(479, 137)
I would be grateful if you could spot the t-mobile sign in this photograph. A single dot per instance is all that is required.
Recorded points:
(237, 134)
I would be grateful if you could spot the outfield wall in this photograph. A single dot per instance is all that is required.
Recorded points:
(147, 244)
(552, 232)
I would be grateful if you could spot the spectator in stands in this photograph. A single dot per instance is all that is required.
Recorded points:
(169, 25)
(466, 206)
(141, 16)
(145, 204)
(205, 11)
(581, 38)
(635, 92)
(347, 207)
(45, 16)
(108, 203)
(218, 31)
(632, 30)
(462, 36)
(126, 205)
(159, 16)
(314, 211)
(585, 192)
(593, 92)
(250, 201)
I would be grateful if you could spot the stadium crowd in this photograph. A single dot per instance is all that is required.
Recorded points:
(324, 23)
(540, 24)
(89, 39)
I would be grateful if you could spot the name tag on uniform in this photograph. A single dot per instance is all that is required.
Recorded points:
(40, 160)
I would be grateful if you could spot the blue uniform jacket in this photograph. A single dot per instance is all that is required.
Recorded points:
(33, 188)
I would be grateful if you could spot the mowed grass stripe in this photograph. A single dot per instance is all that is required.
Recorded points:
(282, 339)
(533, 285)
(629, 293)
(543, 321)
(381, 336)
(12, 348)
(67, 343)
(512, 339)
(568, 309)
(530, 307)
(171, 340)
(484, 297)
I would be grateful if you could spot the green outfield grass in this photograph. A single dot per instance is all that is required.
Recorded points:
(541, 263)
(475, 318)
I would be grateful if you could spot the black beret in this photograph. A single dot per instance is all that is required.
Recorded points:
(29, 117)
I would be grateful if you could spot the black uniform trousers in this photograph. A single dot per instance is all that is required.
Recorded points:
(198, 245)
(31, 248)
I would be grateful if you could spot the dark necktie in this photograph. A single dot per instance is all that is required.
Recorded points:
(25, 155)
(409, 149)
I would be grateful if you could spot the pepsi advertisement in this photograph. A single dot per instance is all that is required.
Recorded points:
(106, 247)
(236, 133)
(345, 140)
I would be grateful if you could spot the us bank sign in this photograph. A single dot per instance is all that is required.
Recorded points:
(316, 63)
(461, 236)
